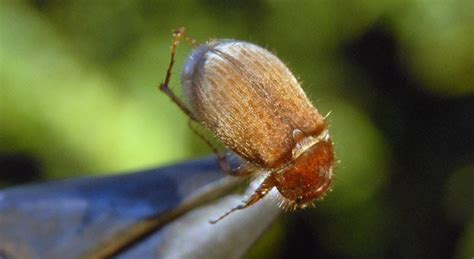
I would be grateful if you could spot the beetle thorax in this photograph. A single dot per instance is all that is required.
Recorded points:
(308, 175)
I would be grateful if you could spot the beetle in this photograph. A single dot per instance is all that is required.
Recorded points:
(255, 106)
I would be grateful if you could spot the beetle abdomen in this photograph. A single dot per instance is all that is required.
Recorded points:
(247, 97)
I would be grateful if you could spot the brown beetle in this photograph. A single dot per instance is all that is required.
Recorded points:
(252, 102)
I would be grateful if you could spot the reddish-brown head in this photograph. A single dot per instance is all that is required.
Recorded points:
(307, 177)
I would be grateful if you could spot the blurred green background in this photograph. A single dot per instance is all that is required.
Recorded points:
(78, 95)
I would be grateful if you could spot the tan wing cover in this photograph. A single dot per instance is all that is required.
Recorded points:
(250, 100)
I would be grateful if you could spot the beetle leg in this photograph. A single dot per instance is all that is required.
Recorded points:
(178, 35)
(259, 193)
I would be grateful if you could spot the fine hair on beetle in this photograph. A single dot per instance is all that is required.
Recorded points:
(254, 105)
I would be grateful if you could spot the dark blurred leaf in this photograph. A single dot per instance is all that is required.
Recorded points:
(99, 217)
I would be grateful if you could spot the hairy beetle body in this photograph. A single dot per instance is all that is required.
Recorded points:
(252, 102)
